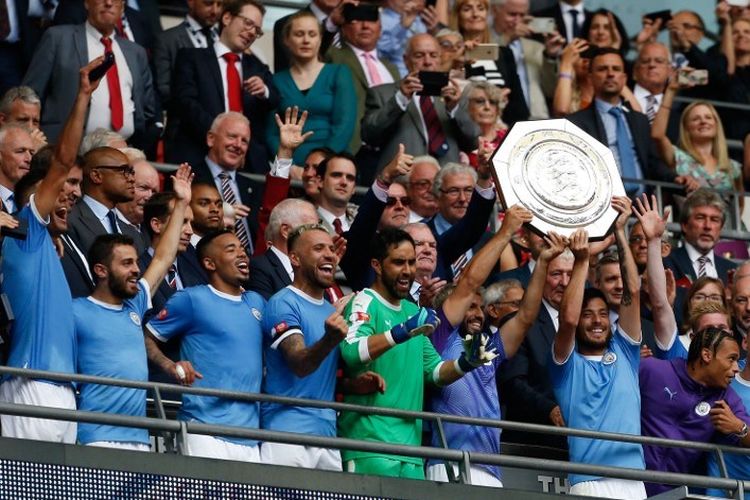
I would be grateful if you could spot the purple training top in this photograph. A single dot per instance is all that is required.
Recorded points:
(675, 406)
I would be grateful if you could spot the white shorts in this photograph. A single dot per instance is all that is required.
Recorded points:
(199, 445)
(23, 391)
(307, 457)
(610, 488)
(121, 445)
(479, 476)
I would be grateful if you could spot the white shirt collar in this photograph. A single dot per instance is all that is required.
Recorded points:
(565, 8)
(99, 209)
(305, 296)
(223, 295)
(195, 239)
(95, 33)
(284, 258)
(222, 49)
(642, 94)
(693, 254)
(328, 216)
(359, 52)
(216, 170)
(553, 313)
(6, 193)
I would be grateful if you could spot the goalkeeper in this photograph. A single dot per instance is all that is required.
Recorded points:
(387, 334)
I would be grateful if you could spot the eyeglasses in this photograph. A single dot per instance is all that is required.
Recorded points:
(452, 47)
(655, 60)
(454, 192)
(422, 185)
(701, 297)
(431, 244)
(392, 200)
(125, 170)
(481, 101)
(636, 240)
(250, 25)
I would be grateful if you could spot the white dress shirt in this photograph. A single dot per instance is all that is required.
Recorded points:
(215, 171)
(568, 19)
(284, 258)
(5, 194)
(385, 75)
(554, 314)
(220, 50)
(100, 115)
(694, 254)
(641, 95)
(196, 35)
(329, 217)
(100, 211)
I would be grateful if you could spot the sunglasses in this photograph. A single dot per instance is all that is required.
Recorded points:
(125, 170)
(392, 200)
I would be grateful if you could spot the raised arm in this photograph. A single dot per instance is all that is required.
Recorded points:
(66, 151)
(572, 301)
(654, 225)
(630, 308)
(166, 251)
(659, 128)
(514, 331)
(563, 97)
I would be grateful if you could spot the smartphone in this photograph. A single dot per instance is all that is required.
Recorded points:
(664, 15)
(361, 12)
(692, 76)
(589, 53)
(543, 25)
(738, 3)
(19, 232)
(430, 3)
(432, 82)
(484, 52)
(101, 70)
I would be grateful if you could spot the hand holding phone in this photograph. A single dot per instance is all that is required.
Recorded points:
(101, 70)
(432, 82)
(688, 77)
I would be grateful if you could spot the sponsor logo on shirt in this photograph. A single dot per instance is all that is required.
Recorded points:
(257, 314)
(135, 318)
(162, 314)
(359, 317)
(279, 329)
(670, 393)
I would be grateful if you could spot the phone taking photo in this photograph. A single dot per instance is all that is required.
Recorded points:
(432, 82)
(101, 70)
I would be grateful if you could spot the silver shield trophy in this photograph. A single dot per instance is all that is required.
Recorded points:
(565, 177)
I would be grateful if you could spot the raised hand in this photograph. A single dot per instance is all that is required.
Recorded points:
(624, 208)
(339, 246)
(84, 85)
(290, 131)
(479, 349)
(515, 217)
(649, 31)
(429, 290)
(451, 94)
(579, 244)
(615, 34)
(401, 164)
(336, 327)
(181, 182)
(422, 323)
(555, 245)
(653, 223)
(410, 84)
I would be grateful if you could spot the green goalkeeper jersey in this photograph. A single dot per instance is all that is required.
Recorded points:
(405, 367)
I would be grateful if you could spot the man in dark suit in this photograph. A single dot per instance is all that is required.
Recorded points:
(397, 114)
(327, 14)
(625, 132)
(703, 216)
(198, 30)
(124, 105)
(272, 271)
(140, 25)
(222, 78)
(524, 383)
(569, 15)
(107, 181)
(650, 75)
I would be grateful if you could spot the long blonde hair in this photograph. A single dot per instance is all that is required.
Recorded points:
(718, 146)
(453, 21)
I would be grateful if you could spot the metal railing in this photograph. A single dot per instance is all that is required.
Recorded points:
(464, 458)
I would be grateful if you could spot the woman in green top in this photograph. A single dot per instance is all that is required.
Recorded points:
(325, 91)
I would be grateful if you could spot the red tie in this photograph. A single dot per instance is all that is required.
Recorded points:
(115, 95)
(121, 29)
(337, 226)
(234, 88)
(436, 143)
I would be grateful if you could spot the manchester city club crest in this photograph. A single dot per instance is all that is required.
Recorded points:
(609, 358)
(135, 318)
(702, 409)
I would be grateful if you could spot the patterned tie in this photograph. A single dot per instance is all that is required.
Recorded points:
(702, 261)
(337, 226)
(4, 20)
(172, 277)
(115, 94)
(651, 107)
(436, 144)
(227, 193)
(625, 151)
(576, 25)
(234, 87)
(112, 218)
(372, 69)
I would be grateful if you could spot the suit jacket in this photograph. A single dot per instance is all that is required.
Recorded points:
(556, 12)
(522, 274)
(267, 274)
(75, 270)
(144, 23)
(386, 125)
(198, 97)
(167, 44)
(280, 54)
(525, 386)
(462, 236)
(346, 56)
(679, 262)
(84, 227)
(652, 166)
(53, 74)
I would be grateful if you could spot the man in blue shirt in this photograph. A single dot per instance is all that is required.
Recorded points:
(302, 332)
(42, 335)
(594, 370)
(108, 324)
(461, 317)
(220, 328)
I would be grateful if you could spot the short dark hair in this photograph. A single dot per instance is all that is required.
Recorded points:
(42, 159)
(202, 247)
(323, 165)
(234, 7)
(157, 206)
(387, 238)
(26, 186)
(590, 294)
(102, 248)
(204, 183)
(708, 338)
(603, 51)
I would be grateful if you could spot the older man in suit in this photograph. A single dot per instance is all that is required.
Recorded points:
(124, 103)
(220, 78)
(198, 30)
(396, 113)
(569, 15)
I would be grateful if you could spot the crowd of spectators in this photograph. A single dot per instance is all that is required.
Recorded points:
(408, 298)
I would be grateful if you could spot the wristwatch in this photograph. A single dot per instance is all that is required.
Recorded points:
(743, 432)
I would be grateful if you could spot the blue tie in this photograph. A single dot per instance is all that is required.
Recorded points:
(625, 151)
(112, 218)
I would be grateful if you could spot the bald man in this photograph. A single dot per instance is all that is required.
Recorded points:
(108, 179)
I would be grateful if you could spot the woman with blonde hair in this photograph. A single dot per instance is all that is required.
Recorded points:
(469, 17)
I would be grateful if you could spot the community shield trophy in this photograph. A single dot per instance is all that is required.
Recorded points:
(565, 177)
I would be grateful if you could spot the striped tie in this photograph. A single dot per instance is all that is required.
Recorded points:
(459, 264)
(172, 277)
(436, 143)
(702, 261)
(650, 107)
(227, 193)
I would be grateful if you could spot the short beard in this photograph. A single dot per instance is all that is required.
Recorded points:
(118, 288)
(585, 343)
